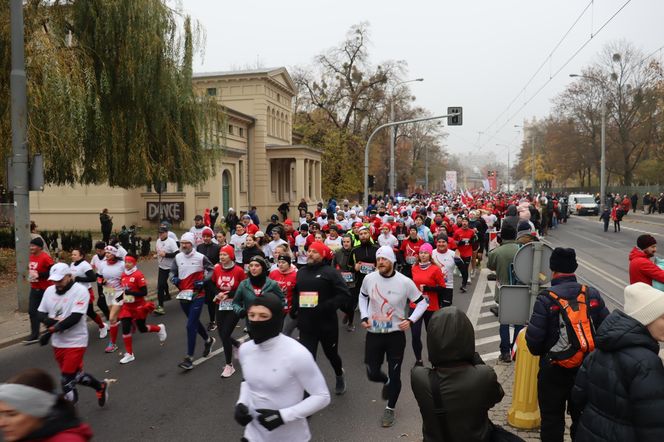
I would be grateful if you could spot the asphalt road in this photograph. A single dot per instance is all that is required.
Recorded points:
(151, 399)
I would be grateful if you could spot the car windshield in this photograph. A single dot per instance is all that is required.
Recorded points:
(585, 200)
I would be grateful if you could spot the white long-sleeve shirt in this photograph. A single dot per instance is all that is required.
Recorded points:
(276, 374)
(384, 301)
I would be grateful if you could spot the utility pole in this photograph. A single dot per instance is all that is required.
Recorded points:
(508, 170)
(426, 169)
(532, 142)
(19, 118)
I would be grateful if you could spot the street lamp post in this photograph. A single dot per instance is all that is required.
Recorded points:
(393, 134)
(365, 196)
(532, 146)
(602, 160)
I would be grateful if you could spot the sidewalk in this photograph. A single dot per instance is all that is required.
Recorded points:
(15, 326)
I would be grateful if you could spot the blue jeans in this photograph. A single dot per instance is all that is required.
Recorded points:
(505, 344)
(193, 311)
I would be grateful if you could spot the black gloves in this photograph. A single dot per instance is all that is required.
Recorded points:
(43, 339)
(270, 419)
(242, 415)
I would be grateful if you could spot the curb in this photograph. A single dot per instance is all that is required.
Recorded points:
(17, 339)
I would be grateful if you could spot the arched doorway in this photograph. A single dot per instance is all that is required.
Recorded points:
(225, 192)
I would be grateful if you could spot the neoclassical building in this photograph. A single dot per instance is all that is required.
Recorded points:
(261, 165)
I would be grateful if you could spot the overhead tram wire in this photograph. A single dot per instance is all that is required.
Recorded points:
(546, 60)
(569, 60)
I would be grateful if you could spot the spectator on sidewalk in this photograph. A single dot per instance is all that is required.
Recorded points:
(232, 220)
(38, 271)
(620, 386)
(106, 225)
(641, 267)
(500, 261)
(31, 411)
(547, 338)
(635, 201)
(459, 382)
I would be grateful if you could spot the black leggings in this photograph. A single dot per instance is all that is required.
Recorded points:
(377, 347)
(126, 325)
(416, 330)
(462, 264)
(162, 286)
(101, 302)
(349, 309)
(226, 322)
(36, 296)
(92, 314)
(329, 341)
(210, 293)
(616, 226)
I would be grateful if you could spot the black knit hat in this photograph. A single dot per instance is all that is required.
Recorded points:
(507, 232)
(523, 225)
(37, 242)
(645, 241)
(563, 260)
(260, 260)
(283, 257)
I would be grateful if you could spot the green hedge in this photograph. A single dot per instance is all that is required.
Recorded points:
(63, 240)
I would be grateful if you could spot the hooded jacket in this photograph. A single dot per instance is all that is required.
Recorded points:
(620, 385)
(642, 269)
(468, 388)
(61, 425)
(543, 328)
(511, 218)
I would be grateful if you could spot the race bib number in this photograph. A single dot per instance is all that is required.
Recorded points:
(108, 291)
(366, 268)
(226, 305)
(33, 276)
(185, 295)
(308, 299)
(348, 276)
(411, 260)
(381, 324)
(401, 237)
(129, 298)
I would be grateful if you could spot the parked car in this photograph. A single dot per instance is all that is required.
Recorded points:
(582, 204)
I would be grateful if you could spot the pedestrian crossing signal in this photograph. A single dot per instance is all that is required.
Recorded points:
(456, 120)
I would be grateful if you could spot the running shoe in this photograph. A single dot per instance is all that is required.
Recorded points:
(212, 326)
(208, 346)
(463, 289)
(31, 340)
(102, 394)
(103, 332)
(228, 371)
(110, 348)
(128, 357)
(159, 310)
(340, 387)
(186, 364)
(162, 333)
(350, 328)
(388, 418)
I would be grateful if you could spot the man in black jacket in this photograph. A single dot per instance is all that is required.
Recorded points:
(319, 291)
(363, 257)
(555, 382)
(211, 251)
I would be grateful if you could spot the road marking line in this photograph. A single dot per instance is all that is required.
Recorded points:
(485, 315)
(200, 360)
(489, 303)
(486, 357)
(478, 295)
(622, 226)
(487, 340)
(486, 326)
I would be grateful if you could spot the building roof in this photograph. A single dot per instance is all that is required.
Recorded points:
(270, 73)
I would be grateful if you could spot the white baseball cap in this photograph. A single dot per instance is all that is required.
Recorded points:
(387, 253)
(59, 271)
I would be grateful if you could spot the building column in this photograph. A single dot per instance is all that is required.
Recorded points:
(317, 172)
(305, 183)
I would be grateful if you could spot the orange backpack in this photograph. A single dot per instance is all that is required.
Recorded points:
(577, 332)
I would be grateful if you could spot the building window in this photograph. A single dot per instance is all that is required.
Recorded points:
(148, 188)
(230, 129)
(240, 166)
(269, 122)
(180, 187)
(279, 98)
(212, 91)
(241, 131)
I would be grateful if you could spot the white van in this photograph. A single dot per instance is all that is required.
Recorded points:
(582, 204)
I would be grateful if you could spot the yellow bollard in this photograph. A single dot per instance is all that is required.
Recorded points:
(524, 412)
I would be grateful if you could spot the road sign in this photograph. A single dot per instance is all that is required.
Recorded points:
(514, 307)
(523, 264)
(456, 120)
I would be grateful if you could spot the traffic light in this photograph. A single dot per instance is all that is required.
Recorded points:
(372, 181)
(456, 120)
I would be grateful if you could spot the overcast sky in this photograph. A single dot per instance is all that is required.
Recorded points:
(475, 54)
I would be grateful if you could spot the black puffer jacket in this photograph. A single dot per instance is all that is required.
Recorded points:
(620, 386)
(468, 388)
(543, 328)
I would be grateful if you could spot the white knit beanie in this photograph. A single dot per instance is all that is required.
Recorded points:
(387, 253)
(643, 302)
